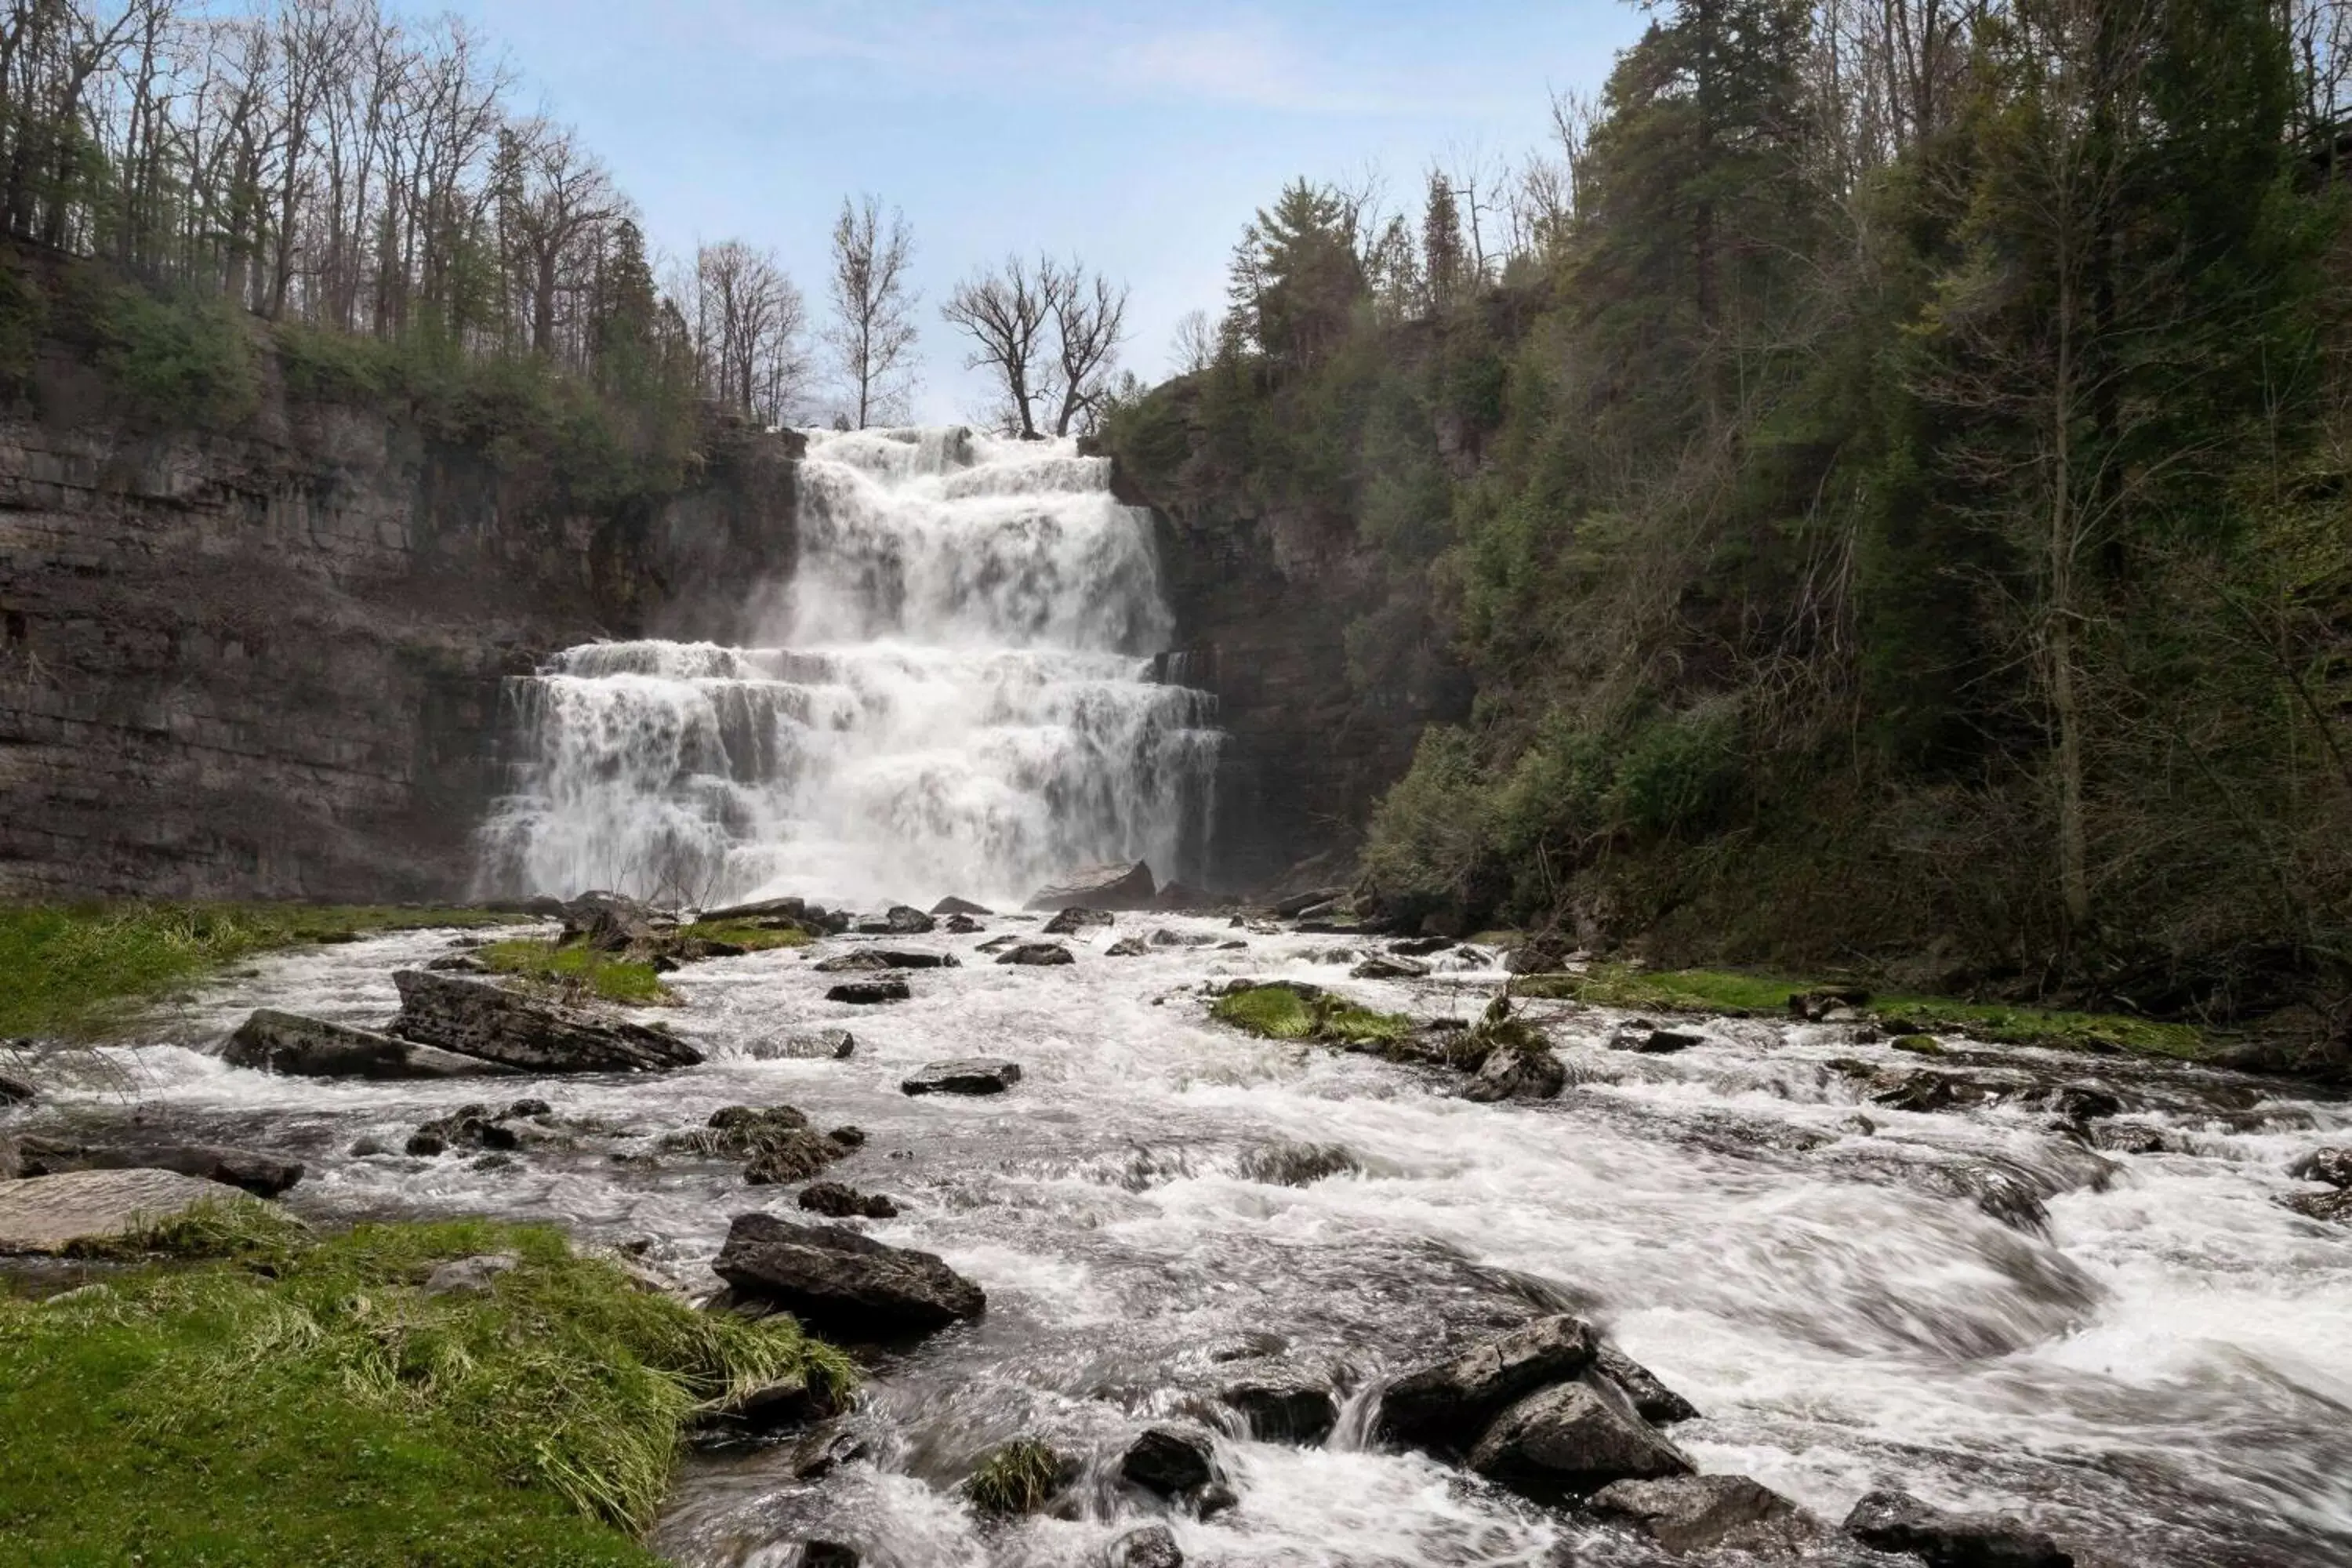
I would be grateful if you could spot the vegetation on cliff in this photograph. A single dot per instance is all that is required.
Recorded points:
(1892, 496)
(309, 1400)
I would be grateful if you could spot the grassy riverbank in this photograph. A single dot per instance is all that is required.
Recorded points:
(76, 971)
(303, 1401)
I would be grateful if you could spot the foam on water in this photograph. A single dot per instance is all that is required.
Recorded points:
(960, 703)
(2157, 1375)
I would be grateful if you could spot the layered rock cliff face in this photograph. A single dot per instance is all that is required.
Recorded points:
(267, 663)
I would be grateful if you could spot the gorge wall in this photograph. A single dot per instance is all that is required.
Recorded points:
(267, 662)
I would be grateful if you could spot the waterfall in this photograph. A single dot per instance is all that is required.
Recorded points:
(961, 699)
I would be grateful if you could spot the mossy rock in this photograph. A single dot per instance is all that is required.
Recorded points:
(1917, 1045)
(1284, 1013)
(1020, 1477)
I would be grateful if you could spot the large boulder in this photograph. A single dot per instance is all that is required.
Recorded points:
(838, 1282)
(1073, 921)
(263, 1175)
(954, 906)
(1710, 1513)
(1170, 1460)
(806, 1045)
(288, 1043)
(82, 1208)
(1515, 1072)
(1282, 1407)
(1386, 966)
(1897, 1522)
(1445, 1406)
(477, 1019)
(972, 1074)
(1572, 1440)
(1038, 954)
(836, 1201)
(1656, 1402)
(1128, 885)
(869, 992)
(608, 922)
(2333, 1166)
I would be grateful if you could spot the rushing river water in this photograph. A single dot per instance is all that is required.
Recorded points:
(2142, 1351)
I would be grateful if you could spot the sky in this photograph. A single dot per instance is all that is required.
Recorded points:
(1140, 138)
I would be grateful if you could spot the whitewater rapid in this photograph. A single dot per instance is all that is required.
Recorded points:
(2153, 1369)
(959, 702)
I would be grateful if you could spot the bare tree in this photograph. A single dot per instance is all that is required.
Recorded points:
(553, 195)
(750, 326)
(873, 331)
(1004, 313)
(1089, 323)
(1195, 346)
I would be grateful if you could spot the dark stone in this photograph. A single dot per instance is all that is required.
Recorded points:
(1928, 1091)
(1381, 966)
(1069, 922)
(2334, 1207)
(822, 1453)
(1654, 1400)
(1298, 904)
(475, 1019)
(1169, 1461)
(1283, 1410)
(806, 1043)
(271, 1041)
(1042, 954)
(869, 992)
(792, 1156)
(2127, 1138)
(1709, 1513)
(1422, 946)
(962, 925)
(1660, 1042)
(608, 922)
(467, 1127)
(836, 1201)
(458, 964)
(1153, 1546)
(263, 1175)
(1128, 947)
(530, 1108)
(2333, 1166)
(425, 1146)
(16, 1091)
(1897, 1522)
(868, 959)
(960, 907)
(1572, 1439)
(838, 1282)
(1515, 1072)
(974, 1074)
(1296, 1164)
(828, 1555)
(905, 920)
(859, 960)
(1445, 1405)
(999, 943)
(848, 1137)
(1112, 887)
(2083, 1102)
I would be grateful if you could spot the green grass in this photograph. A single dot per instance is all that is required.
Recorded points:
(1739, 993)
(304, 1402)
(1275, 1013)
(80, 971)
(745, 934)
(578, 971)
(1020, 1477)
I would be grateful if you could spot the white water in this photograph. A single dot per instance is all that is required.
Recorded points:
(960, 703)
(2158, 1377)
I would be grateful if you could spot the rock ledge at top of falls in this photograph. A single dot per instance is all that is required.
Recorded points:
(288, 1043)
(474, 1019)
(1129, 886)
(1897, 1522)
(76, 1208)
(838, 1280)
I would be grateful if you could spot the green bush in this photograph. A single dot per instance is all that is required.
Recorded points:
(172, 358)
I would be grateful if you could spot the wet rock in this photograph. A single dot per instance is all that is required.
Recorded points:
(1709, 1513)
(11, 1163)
(848, 1137)
(1897, 1522)
(822, 1453)
(1814, 1006)
(1422, 946)
(869, 992)
(2127, 1138)
(73, 1209)
(1153, 1546)
(878, 958)
(1572, 1439)
(1283, 1409)
(608, 922)
(288, 1043)
(1112, 887)
(1041, 955)
(836, 1201)
(422, 1145)
(1163, 937)
(2333, 1166)
(951, 906)
(458, 964)
(1916, 1045)
(1444, 1407)
(1128, 947)
(785, 1404)
(1170, 1461)
(789, 1157)
(1517, 1072)
(2333, 1206)
(1382, 966)
(834, 1279)
(16, 1091)
(1928, 1091)
(1069, 922)
(2083, 1102)
(999, 943)
(476, 1019)
(783, 914)
(467, 1127)
(1655, 1402)
(522, 1107)
(471, 1276)
(962, 925)
(1656, 1042)
(862, 961)
(903, 920)
(974, 1075)
(263, 1175)
(1296, 1164)
(828, 1555)
(806, 1045)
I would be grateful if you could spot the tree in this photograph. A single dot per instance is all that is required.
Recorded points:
(873, 331)
(1196, 345)
(1089, 323)
(749, 327)
(1005, 315)
(1444, 264)
(1297, 276)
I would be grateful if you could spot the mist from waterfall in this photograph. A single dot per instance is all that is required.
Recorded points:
(958, 700)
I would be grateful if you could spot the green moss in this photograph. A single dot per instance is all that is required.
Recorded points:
(1917, 1045)
(1278, 1013)
(1020, 1477)
(745, 934)
(314, 1406)
(578, 971)
(79, 970)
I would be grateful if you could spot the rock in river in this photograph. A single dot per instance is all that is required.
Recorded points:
(477, 1019)
(806, 1045)
(869, 992)
(954, 906)
(1897, 1522)
(838, 1282)
(1518, 1073)
(1170, 1461)
(1114, 887)
(54, 1214)
(836, 1201)
(974, 1074)
(1710, 1513)
(1381, 966)
(1444, 1407)
(2333, 1166)
(1069, 922)
(1153, 1546)
(1654, 1400)
(288, 1043)
(1042, 954)
(1573, 1439)
(263, 1175)
(1283, 1409)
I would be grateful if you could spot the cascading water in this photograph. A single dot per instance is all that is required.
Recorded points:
(961, 702)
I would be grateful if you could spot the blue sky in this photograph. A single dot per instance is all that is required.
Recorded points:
(1139, 137)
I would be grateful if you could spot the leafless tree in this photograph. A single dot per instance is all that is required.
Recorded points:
(1194, 348)
(1089, 324)
(873, 331)
(751, 329)
(1004, 313)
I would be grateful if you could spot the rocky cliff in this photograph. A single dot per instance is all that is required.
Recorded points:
(266, 662)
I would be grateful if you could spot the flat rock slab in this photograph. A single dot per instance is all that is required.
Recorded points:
(1043, 954)
(1126, 886)
(806, 1045)
(974, 1076)
(1710, 1513)
(477, 1019)
(263, 1175)
(834, 1279)
(55, 1213)
(869, 992)
(288, 1043)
